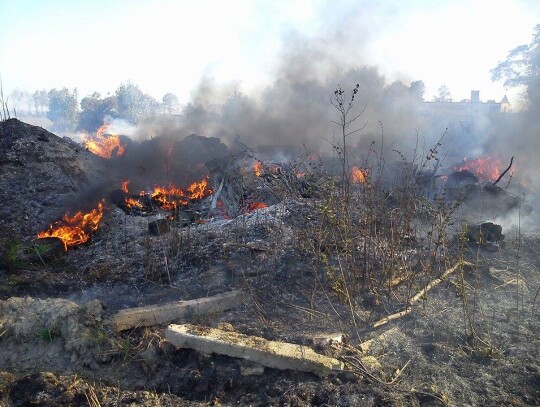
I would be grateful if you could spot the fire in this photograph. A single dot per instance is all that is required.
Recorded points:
(359, 175)
(258, 169)
(485, 168)
(253, 206)
(104, 145)
(198, 190)
(133, 203)
(125, 186)
(76, 229)
(221, 208)
(169, 198)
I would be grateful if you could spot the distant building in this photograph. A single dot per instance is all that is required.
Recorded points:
(467, 122)
(467, 109)
(505, 105)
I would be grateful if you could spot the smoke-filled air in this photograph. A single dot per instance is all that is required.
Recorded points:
(269, 203)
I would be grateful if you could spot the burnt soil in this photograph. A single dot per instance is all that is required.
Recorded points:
(57, 348)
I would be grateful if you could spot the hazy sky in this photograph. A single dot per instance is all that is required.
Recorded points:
(168, 45)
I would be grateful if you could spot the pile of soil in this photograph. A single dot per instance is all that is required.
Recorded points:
(42, 176)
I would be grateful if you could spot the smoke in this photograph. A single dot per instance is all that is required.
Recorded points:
(119, 126)
(296, 109)
(516, 135)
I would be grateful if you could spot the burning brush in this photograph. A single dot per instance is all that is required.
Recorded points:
(359, 175)
(484, 168)
(77, 229)
(168, 198)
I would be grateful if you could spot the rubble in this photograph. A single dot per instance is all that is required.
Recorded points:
(175, 311)
(328, 339)
(277, 355)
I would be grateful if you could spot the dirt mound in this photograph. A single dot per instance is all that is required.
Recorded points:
(42, 176)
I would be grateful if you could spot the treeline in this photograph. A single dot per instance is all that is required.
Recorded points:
(63, 108)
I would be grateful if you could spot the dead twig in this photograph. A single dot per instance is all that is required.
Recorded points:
(251, 246)
(504, 172)
(360, 368)
(420, 294)
(535, 297)
(432, 395)
(396, 281)
(91, 397)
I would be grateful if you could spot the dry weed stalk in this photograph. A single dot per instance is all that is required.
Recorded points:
(421, 294)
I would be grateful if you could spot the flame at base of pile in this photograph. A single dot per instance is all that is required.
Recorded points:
(167, 198)
(76, 229)
(484, 168)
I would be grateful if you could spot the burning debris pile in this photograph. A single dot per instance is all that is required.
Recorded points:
(216, 183)
(76, 184)
(76, 229)
(169, 198)
(186, 232)
(475, 182)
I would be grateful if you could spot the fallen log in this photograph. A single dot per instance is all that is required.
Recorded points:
(172, 311)
(274, 354)
(420, 294)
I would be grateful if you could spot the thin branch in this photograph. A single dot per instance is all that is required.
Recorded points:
(504, 172)
(420, 294)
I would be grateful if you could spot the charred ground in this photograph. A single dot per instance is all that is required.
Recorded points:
(328, 257)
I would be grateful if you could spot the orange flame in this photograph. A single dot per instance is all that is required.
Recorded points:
(222, 209)
(133, 203)
(104, 145)
(198, 190)
(169, 198)
(76, 229)
(253, 206)
(485, 168)
(258, 169)
(359, 175)
(125, 186)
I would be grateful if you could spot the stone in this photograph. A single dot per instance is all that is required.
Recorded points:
(326, 339)
(274, 354)
(175, 311)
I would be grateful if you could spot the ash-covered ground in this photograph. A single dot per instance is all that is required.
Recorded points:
(325, 259)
